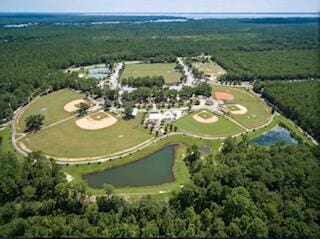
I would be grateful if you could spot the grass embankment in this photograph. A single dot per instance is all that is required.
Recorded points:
(5, 145)
(258, 111)
(167, 70)
(180, 169)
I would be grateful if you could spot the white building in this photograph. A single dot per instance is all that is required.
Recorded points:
(135, 112)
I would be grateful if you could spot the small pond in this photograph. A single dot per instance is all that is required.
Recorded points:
(151, 170)
(275, 135)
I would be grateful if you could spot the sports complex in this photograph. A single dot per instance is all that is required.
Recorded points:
(103, 140)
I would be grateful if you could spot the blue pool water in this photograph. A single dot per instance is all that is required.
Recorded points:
(275, 135)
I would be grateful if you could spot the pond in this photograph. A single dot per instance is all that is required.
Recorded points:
(275, 135)
(155, 169)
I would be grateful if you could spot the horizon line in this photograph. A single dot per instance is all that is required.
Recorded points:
(196, 13)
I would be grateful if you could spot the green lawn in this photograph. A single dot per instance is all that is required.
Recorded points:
(205, 114)
(180, 169)
(167, 70)
(68, 140)
(51, 106)
(258, 112)
(222, 128)
(6, 145)
(232, 107)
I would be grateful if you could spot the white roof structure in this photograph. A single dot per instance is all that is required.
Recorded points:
(168, 115)
(154, 115)
(134, 112)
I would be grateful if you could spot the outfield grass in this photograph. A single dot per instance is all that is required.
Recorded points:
(67, 140)
(179, 168)
(222, 128)
(258, 112)
(6, 145)
(167, 70)
(51, 106)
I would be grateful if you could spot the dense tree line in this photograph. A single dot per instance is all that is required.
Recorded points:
(159, 94)
(148, 81)
(32, 59)
(299, 101)
(246, 191)
(271, 65)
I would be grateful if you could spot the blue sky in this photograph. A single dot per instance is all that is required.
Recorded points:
(220, 6)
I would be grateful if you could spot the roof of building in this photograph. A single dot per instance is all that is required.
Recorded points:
(135, 112)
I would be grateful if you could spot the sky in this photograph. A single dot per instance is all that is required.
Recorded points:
(161, 6)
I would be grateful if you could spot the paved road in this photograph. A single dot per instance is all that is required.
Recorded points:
(191, 81)
(114, 78)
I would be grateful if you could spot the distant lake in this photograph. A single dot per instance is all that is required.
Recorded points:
(151, 170)
(275, 135)
(85, 19)
(212, 15)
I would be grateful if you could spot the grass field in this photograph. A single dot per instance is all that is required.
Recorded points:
(70, 141)
(99, 116)
(232, 107)
(51, 106)
(180, 169)
(205, 114)
(210, 68)
(258, 112)
(6, 145)
(222, 128)
(158, 69)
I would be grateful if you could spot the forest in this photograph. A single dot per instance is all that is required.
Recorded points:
(33, 58)
(299, 101)
(245, 191)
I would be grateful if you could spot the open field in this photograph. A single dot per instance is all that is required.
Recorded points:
(210, 68)
(158, 69)
(67, 140)
(5, 145)
(51, 106)
(258, 112)
(222, 128)
(180, 170)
